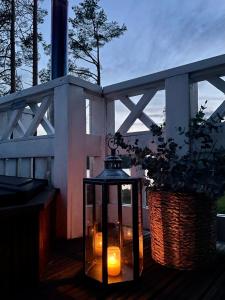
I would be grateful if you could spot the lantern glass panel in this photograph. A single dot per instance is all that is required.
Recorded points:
(126, 194)
(140, 228)
(114, 256)
(127, 232)
(120, 246)
(93, 231)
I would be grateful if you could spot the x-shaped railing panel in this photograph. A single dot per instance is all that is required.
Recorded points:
(38, 117)
(38, 112)
(14, 117)
(220, 85)
(44, 122)
(137, 111)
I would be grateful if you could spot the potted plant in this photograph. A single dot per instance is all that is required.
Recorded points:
(182, 189)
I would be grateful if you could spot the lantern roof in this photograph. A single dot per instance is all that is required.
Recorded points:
(113, 169)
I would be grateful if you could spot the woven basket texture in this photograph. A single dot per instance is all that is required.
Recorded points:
(183, 229)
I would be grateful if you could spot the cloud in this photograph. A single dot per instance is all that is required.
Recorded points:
(163, 34)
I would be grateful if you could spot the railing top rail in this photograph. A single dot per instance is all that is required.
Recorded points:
(48, 87)
(197, 71)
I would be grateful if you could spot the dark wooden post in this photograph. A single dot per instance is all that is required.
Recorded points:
(59, 38)
(59, 43)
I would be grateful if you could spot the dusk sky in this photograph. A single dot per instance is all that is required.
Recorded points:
(161, 34)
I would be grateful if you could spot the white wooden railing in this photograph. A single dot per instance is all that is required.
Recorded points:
(59, 151)
(181, 102)
(181, 94)
(20, 149)
(56, 151)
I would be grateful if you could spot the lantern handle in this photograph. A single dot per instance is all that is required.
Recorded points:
(112, 144)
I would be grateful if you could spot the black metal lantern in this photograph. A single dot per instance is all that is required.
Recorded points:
(112, 225)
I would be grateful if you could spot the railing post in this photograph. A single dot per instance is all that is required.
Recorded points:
(70, 157)
(102, 122)
(3, 122)
(97, 127)
(110, 116)
(181, 105)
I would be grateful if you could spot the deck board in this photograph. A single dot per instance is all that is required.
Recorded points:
(63, 280)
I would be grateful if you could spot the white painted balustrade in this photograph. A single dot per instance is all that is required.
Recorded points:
(31, 145)
(56, 151)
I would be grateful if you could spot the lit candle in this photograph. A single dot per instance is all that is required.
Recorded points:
(127, 232)
(98, 243)
(114, 261)
(141, 246)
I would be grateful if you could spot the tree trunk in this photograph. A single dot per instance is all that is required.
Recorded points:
(35, 44)
(98, 66)
(12, 48)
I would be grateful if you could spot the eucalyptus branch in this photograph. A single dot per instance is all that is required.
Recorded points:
(196, 171)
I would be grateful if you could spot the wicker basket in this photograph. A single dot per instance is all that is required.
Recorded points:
(183, 229)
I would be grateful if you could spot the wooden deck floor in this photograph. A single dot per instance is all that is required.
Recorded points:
(63, 280)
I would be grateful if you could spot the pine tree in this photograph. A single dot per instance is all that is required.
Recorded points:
(35, 42)
(12, 47)
(4, 47)
(90, 31)
(45, 73)
(9, 56)
(31, 15)
(19, 40)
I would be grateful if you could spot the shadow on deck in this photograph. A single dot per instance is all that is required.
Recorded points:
(63, 280)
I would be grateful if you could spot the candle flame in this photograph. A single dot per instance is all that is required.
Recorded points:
(112, 259)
